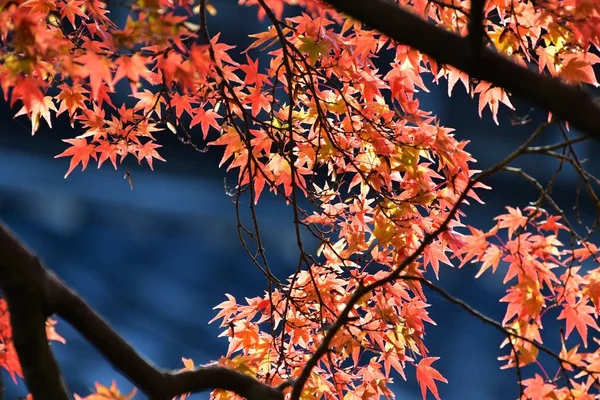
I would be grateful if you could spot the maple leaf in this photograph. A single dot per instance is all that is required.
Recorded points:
(491, 258)
(148, 152)
(552, 224)
(231, 139)
(108, 151)
(578, 68)
(269, 38)
(133, 67)
(51, 333)
(251, 71)
(149, 102)
(220, 51)
(108, 393)
(38, 109)
(491, 97)
(592, 289)
(258, 100)
(513, 221)
(536, 388)
(73, 8)
(182, 103)
(586, 251)
(572, 357)
(546, 56)
(40, 6)
(27, 89)
(427, 375)
(98, 69)
(206, 119)
(188, 365)
(314, 49)
(454, 75)
(434, 254)
(80, 151)
(228, 308)
(103, 95)
(524, 300)
(71, 99)
(578, 316)
(282, 172)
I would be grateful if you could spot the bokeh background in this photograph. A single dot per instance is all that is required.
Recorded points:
(155, 260)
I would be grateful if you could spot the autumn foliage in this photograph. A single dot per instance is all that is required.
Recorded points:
(311, 112)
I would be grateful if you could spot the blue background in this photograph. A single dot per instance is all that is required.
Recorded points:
(155, 260)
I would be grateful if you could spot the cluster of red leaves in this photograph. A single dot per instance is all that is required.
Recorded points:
(387, 172)
(545, 279)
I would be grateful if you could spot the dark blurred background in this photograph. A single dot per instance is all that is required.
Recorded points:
(155, 260)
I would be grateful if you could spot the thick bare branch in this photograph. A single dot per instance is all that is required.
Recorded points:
(24, 295)
(155, 383)
(566, 102)
(476, 30)
(33, 293)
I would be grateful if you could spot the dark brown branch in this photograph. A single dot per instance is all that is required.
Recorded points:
(141, 372)
(33, 293)
(565, 102)
(25, 298)
(476, 30)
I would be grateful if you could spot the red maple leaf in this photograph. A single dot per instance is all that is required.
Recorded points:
(80, 151)
(97, 68)
(206, 119)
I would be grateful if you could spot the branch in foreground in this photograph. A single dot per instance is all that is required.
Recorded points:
(33, 293)
(155, 383)
(566, 102)
(24, 295)
(476, 30)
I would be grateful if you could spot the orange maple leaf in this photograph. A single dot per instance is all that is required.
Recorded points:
(578, 316)
(427, 375)
(107, 393)
(578, 68)
(98, 69)
(73, 8)
(492, 97)
(133, 67)
(512, 221)
(206, 119)
(538, 388)
(148, 152)
(38, 108)
(80, 151)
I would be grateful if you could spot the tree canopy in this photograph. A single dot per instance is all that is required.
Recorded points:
(323, 109)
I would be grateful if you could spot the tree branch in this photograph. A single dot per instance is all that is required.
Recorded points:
(153, 382)
(476, 30)
(33, 293)
(566, 102)
(24, 295)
